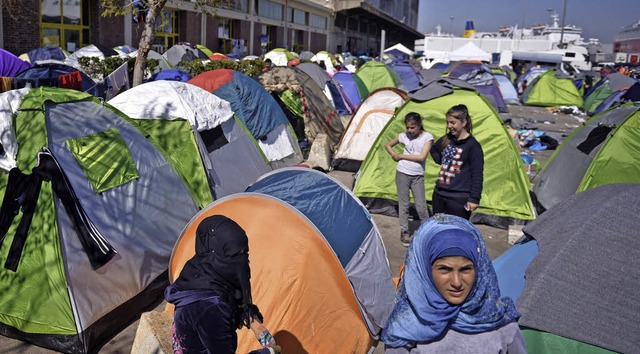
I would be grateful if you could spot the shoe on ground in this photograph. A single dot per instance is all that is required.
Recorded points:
(405, 238)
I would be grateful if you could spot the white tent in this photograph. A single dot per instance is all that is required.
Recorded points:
(469, 51)
(399, 49)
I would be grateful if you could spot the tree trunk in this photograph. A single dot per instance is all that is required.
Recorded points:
(155, 7)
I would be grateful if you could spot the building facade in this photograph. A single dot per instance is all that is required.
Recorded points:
(242, 27)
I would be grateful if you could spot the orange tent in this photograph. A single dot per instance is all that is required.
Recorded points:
(297, 281)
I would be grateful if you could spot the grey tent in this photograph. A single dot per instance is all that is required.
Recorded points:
(581, 286)
(569, 170)
(183, 53)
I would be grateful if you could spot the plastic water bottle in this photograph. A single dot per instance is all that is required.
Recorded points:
(262, 334)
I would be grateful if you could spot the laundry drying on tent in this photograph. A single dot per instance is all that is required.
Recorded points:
(365, 125)
(221, 149)
(330, 87)
(304, 103)
(96, 230)
(259, 112)
(602, 151)
(58, 75)
(505, 192)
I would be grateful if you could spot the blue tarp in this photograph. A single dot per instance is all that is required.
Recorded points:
(511, 266)
(338, 215)
(10, 65)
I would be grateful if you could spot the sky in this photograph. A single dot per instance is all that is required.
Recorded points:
(600, 19)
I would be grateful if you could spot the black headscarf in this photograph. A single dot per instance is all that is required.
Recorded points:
(221, 264)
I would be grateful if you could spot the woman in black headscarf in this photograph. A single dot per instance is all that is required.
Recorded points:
(212, 295)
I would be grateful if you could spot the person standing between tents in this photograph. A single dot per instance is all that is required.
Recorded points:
(212, 294)
(459, 184)
(448, 298)
(410, 171)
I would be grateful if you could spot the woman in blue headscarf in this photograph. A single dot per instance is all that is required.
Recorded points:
(448, 300)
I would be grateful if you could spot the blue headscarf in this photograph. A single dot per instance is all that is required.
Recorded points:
(421, 313)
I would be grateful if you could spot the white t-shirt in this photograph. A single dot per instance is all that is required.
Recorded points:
(412, 147)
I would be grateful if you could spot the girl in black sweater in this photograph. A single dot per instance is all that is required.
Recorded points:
(459, 184)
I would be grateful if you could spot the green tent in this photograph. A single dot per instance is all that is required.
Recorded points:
(204, 49)
(86, 247)
(505, 193)
(614, 82)
(602, 151)
(375, 75)
(552, 88)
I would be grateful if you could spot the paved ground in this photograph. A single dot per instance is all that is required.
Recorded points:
(556, 125)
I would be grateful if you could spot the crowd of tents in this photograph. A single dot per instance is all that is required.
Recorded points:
(103, 183)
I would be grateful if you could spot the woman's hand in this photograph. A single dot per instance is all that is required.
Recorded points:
(396, 157)
(472, 206)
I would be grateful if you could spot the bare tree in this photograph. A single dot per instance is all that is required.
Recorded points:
(154, 9)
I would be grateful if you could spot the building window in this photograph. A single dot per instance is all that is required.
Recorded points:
(298, 41)
(318, 21)
(297, 16)
(166, 31)
(64, 24)
(226, 34)
(270, 9)
(236, 5)
(266, 38)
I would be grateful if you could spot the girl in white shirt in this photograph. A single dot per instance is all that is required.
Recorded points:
(410, 171)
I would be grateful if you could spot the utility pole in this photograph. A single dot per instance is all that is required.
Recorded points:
(564, 15)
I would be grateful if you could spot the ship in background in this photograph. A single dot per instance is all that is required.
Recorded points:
(509, 42)
(627, 42)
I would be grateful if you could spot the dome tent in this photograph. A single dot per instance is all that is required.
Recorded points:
(96, 236)
(505, 193)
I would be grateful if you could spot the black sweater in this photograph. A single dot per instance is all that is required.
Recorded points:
(462, 168)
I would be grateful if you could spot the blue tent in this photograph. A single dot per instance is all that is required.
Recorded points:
(46, 53)
(508, 91)
(348, 82)
(251, 102)
(347, 227)
(171, 75)
(258, 110)
(10, 65)
(410, 78)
